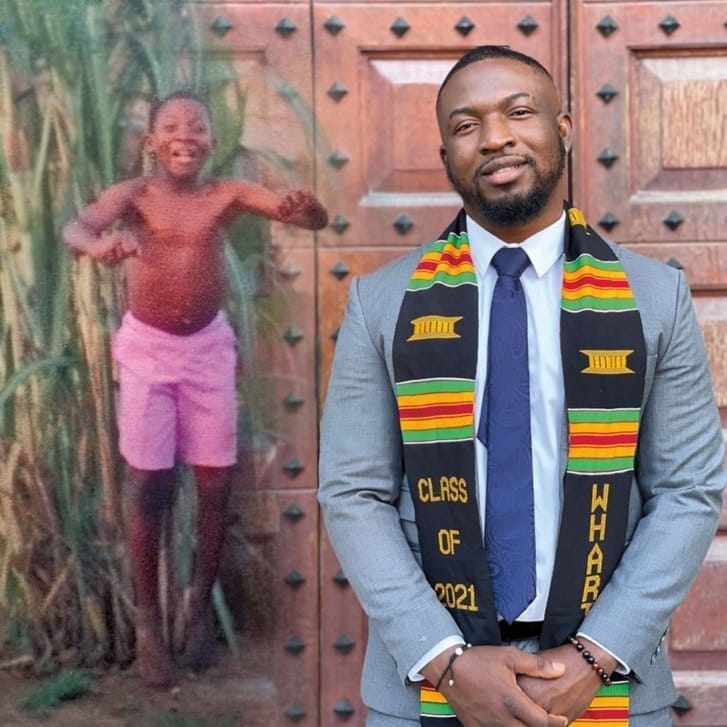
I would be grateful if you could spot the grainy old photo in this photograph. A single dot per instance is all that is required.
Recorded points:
(291, 433)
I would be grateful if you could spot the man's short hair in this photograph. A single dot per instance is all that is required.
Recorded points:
(485, 52)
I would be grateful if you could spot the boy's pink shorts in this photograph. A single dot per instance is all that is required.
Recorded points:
(177, 399)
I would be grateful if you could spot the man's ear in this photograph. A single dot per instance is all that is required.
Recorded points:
(565, 129)
(443, 154)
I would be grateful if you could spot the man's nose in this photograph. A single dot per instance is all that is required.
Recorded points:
(495, 133)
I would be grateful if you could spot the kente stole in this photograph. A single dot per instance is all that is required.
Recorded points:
(604, 360)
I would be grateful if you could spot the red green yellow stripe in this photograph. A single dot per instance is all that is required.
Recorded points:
(432, 703)
(602, 440)
(447, 262)
(597, 285)
(436, 410)
(609, 708)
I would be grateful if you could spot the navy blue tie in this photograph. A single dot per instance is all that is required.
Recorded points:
(504, 428)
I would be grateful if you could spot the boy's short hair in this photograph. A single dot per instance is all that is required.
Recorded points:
(182, 93)
(485, 52)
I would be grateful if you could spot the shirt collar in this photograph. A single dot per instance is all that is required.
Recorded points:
(544, 248)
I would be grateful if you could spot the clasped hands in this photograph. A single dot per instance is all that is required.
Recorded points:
(499, 686)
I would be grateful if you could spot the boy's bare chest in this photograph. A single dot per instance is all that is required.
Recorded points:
(181, 220)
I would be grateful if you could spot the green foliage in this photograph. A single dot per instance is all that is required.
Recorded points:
(55, 690)
(76, 80)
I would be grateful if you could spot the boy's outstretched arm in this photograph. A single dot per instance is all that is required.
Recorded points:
(295, 208)
(86, 234)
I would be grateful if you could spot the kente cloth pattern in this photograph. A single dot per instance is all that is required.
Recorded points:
(609, 708)
(435, 360)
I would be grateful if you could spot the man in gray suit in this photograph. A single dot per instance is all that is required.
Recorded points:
(624, 459)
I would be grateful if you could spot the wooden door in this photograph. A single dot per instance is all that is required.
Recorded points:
(344, 91)
(271, 567)
(649, 86)
(377, 68)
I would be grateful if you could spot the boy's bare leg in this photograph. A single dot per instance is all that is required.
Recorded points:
(213, 493)
(149, 497)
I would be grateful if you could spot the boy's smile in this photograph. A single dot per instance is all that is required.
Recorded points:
(181, 139)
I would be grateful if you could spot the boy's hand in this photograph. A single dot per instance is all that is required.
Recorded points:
(115, 247)
(301, 208)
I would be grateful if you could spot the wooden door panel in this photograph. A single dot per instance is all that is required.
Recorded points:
(270, 579)
(658, 125)
(377, 74)
(274, 581)
(269, 47)
(383, 182)
(650, 168)
(343, 625)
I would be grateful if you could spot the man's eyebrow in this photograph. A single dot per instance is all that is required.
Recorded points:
(469, 110)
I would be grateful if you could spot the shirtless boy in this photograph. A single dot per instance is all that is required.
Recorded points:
(175, 350)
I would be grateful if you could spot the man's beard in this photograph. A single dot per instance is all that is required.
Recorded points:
(518, 208)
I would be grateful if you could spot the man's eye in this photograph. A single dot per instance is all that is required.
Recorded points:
(464, 126)
(520, 112)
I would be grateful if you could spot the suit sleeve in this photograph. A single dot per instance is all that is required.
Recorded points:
(360, 482)
(680, 473)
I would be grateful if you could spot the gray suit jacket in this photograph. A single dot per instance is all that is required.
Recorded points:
(368, 509)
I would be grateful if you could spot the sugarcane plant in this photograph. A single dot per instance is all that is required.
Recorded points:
(76, 78)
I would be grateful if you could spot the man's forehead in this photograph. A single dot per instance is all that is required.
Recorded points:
(503, 77)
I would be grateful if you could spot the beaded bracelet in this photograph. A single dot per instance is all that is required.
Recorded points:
(605, 678)
(452, 658)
